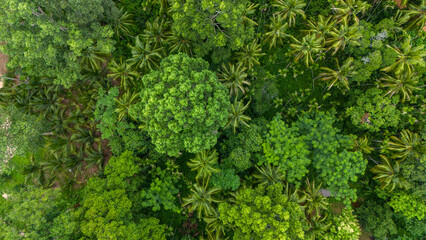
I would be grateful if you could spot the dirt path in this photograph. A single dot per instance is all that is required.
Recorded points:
(3, 61)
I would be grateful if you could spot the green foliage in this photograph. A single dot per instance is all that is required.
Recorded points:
(184, 110)
(51, 38)
(226, 179)
(409, 145)
(236, 115)
(19, 133)
(31, 213)
(377, 219)
(285, 148)
(410, 206)
(162, 191)
(344, 227)
(214, 25)
(263, 213)
(204, 163)
(372, 111)
(202, 199)
(288, 10)
(334, 164)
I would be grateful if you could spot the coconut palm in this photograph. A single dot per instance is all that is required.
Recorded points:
(314, 201)
(145, 56)
(236, 116)
(416, 16)
(408, 145)
(234, 78)
(348, 9)
(249, 54)
(201, 200)
(407, 57)
(180, 44)
(306, 48)
(338, 77)
(124, 72)
(157, 32)
(403, 84)
(124, 102)
(249, 10)
(389, 176)
(322, 27)
(362, 144)
(277, 31)
(123, 24)
(94, 58)
(269, 175)
(204, 163)
(289, 9)
(343, 36)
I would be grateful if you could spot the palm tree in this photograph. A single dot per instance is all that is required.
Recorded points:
(409, 145)
(179, 44)
(249, 54)
(362, 144)
(157, 32)
(124, 102)
(47, 102)
(389, 176)
(338, 77)
(416, 16)
(145, 56)
(93, 58)
(347, 9)
(215, 226)
(289, 9)
(204, 163)
(124, 72)
(269, 175)
(343, 36)
(314, 201)
(236, 116)
(123, 24)
(407, 57)
(403, 84)
(234, 78)
(249, 10)
(309, 46)
(322, 27)
(277, 32)
(201, 200)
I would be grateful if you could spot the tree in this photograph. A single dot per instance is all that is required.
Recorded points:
(389, 176)
(290, 9)
(263, 213)
(123, 72)
(204, 163)
(407, 57)
(408, 145)
(277, 31)
(47, 38)
(157, 33)
(236, 116)
(215, 26)
(347, 9)
(340, 76)
(201, 199)
(306, 48)
(322, 27)
(234, 78)
(416, 17)
(402, 84)
(249, 54)
(185, 109)
(285, 148)
(313, 200)
(345, 35)
(145, 56)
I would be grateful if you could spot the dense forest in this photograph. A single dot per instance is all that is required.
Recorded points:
(213, 119)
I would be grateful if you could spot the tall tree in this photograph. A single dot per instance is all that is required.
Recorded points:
(49, 38)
